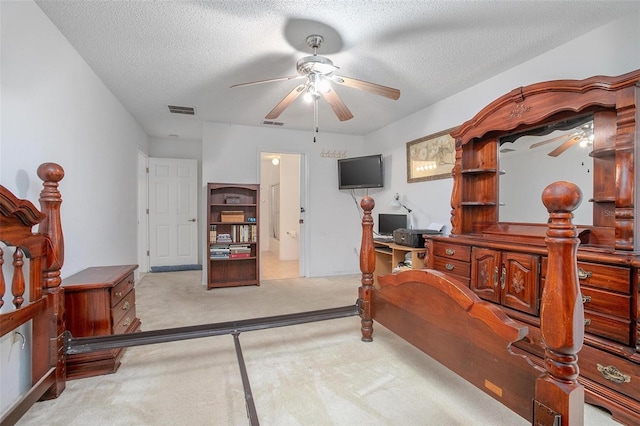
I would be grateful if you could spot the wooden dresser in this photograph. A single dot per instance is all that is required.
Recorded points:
(504, 261)
(99, 301)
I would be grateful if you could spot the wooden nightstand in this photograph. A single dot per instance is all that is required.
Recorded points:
(99, 301)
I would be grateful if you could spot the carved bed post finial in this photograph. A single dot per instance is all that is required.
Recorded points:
(367, 266)
(561, 312)
(50, 201)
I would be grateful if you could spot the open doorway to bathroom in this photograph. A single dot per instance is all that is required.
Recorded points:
(282, 216)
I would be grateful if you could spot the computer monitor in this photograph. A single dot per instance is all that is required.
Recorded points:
(387, 223)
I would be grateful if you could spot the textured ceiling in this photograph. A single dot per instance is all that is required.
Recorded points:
(151, 54)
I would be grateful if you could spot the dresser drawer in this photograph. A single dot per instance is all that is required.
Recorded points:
(452, 251)
(606, 302)
(452, 266)
(607, 327)
(121, 289)
(611, 371)
(125, 323)
(123, 308)
(615, 278)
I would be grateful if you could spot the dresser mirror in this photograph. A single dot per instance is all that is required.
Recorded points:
(531, 160)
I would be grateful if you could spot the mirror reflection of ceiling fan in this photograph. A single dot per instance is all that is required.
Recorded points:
(582, 135)
(318, 74)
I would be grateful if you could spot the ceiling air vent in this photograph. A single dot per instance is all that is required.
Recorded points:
(273, 123)
(174, 109)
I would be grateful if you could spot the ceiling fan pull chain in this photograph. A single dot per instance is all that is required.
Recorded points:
(315, 118)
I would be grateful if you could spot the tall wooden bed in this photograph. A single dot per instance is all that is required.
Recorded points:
(445, 319)
(35, 261)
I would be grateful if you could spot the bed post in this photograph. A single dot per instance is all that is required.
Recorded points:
(557, 392)
(367, 266)
(51, 227)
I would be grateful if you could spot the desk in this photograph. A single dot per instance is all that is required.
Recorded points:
(389, 255)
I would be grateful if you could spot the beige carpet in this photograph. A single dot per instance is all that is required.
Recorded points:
(312, 374)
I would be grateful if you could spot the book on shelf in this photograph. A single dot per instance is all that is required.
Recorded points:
(213, 235)
(236, 250)
(224, 238)
(239, 255)
(244, 233)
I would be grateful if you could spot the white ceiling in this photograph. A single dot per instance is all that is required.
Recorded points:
(151, 54)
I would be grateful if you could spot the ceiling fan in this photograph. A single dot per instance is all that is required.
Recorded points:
(583, 135)
(318, 74)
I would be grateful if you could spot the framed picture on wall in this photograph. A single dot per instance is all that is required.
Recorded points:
(431, 157)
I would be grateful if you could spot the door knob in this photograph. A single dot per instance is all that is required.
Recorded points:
(192, 220)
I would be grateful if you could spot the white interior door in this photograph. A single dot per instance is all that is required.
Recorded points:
(173, 194)
(143, 214)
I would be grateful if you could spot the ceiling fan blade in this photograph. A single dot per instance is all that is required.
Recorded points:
(337, 105)
(271, 80)
(284, 103)
(565, 146)
(547, 141)
(376, 89)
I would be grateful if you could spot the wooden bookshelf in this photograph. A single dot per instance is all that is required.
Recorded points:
(233, 234)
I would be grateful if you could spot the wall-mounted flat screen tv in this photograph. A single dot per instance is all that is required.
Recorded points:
(361, 172)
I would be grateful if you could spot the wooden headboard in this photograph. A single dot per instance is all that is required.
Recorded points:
(36, 259)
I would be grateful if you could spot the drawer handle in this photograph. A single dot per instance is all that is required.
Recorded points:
(586, 299)
(449, 266)
(119, 294)
(503, 277)
(583, 275)
(125, 306)
(495, 277)
(587, 322)
(450, 251)
(126, 322)
(613, 374)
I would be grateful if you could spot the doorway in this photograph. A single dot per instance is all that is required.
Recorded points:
(173, 229)
(282, 234)
(143, 215)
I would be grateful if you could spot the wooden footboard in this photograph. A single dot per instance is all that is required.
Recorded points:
(43, 303)
(446, 320)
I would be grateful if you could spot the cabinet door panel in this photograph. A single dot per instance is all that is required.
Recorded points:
(519, 281)
(485, 273)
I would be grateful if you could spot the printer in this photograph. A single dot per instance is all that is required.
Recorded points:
(412, 237)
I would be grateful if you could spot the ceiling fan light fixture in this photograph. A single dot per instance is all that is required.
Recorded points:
(323, 85)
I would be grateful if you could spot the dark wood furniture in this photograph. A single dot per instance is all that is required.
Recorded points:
(439, 314)
(45, 304)
(233, 210)
(509, 264)
(99, 301)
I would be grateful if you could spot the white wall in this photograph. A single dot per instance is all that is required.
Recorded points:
(609, 50)
(55, 109)
(231, 153)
